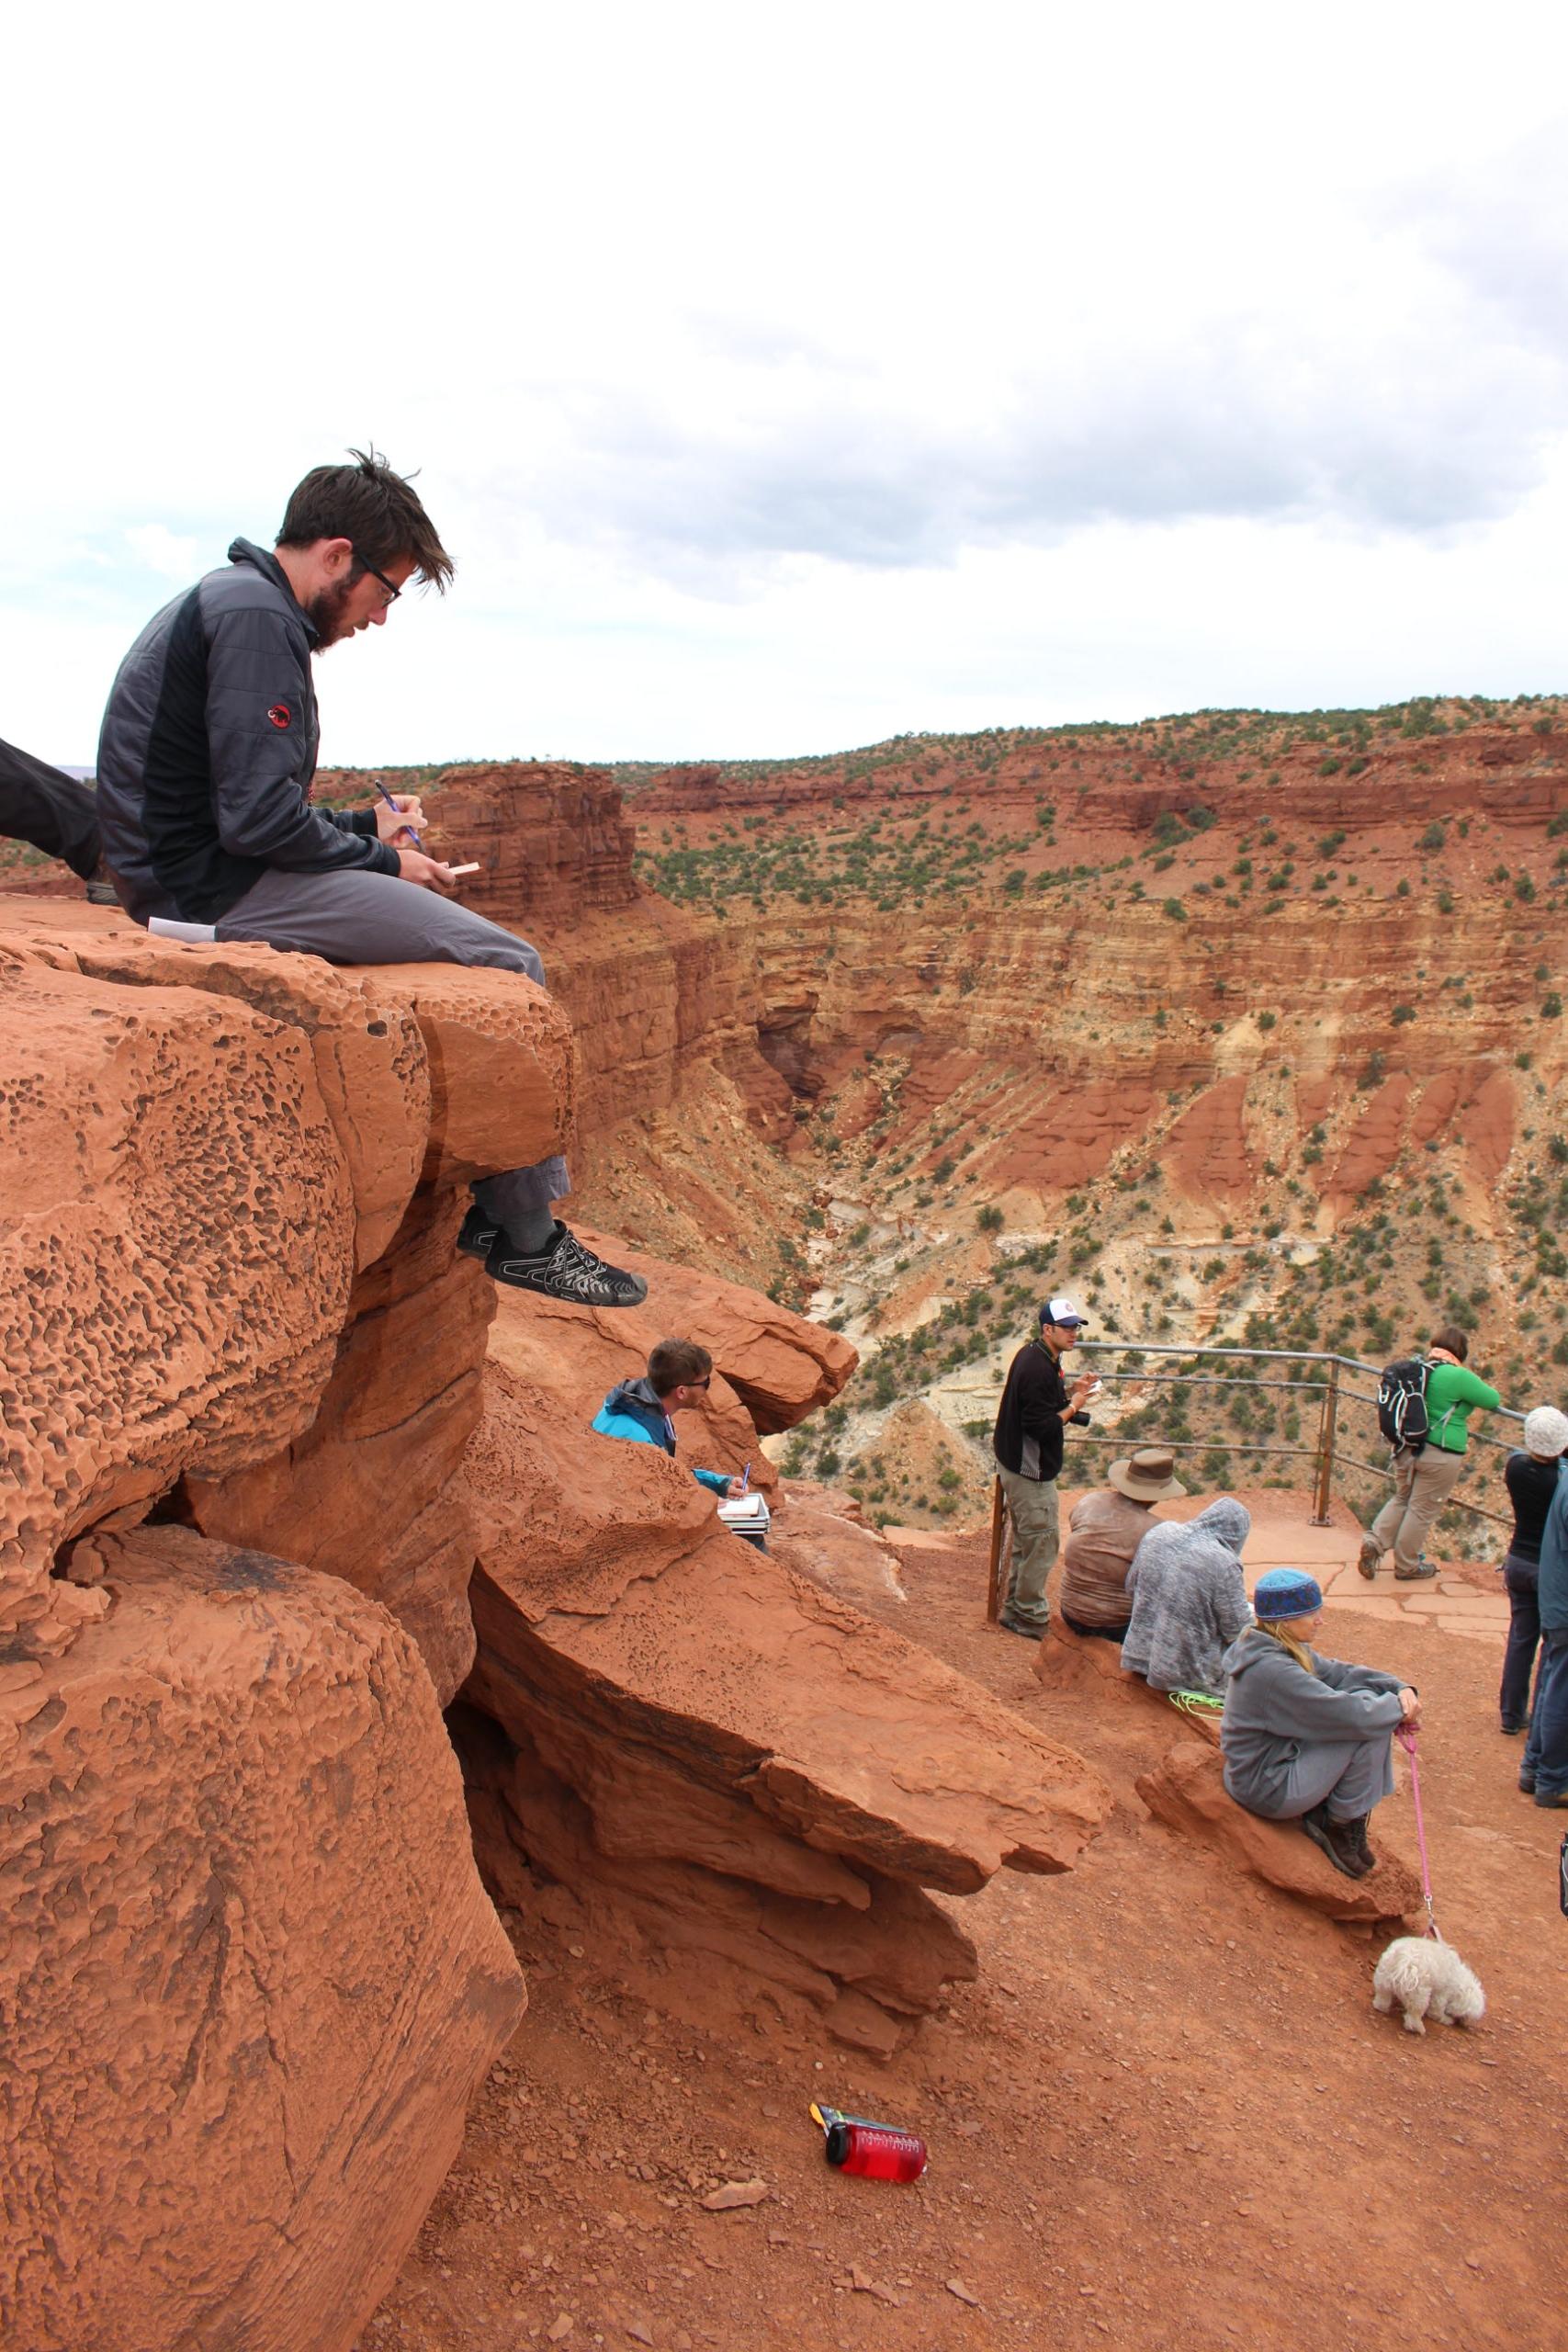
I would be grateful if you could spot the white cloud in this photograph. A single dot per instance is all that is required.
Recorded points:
(172, 554)
(779, 381)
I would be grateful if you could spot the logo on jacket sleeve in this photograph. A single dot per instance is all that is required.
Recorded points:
(280, 714)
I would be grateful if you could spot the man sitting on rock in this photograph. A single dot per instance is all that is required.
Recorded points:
(205, 767)
(678, 1376)
(1107, 1528)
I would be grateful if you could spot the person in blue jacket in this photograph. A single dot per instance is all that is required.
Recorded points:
(678, 1376)
(1543, 1773)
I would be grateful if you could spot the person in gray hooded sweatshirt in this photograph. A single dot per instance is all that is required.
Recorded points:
(1189, 1599)
(1305, 1737)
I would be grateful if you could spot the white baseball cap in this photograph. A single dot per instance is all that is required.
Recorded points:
(1065, 1311)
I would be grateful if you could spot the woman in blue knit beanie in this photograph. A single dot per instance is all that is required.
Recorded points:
(1306, 1739)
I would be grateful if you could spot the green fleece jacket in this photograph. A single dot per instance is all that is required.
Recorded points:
(1452, 1394)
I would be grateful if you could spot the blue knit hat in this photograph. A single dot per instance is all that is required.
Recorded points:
(1286, 1592)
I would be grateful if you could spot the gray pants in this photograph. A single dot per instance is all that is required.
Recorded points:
(1422, 1483)
(1031, 1509)
(1352, 1774)
(357, 918)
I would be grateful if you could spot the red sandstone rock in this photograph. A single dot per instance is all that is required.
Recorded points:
(250, 1977)
(1187, 1792)
(821, 1534)
(364, 1491)
(781, 1366)
(1068, 1661)
(502, 1075)
(673, 1723)
(175, 1250)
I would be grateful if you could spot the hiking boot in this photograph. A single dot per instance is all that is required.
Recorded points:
(1368, 1558)
(1344, 1842)
(1557, 1799)
(1021, 1626)
(1527, 1784)
(1418, 1575)
(566, 1270)
(1356, 1831)
(476, 1236)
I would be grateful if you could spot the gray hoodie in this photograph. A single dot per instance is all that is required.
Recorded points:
(1273, 1711)
(1189, 1599)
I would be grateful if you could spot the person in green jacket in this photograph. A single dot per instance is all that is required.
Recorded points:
(1423, 1482)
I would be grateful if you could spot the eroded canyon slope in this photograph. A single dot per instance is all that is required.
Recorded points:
(1248, 1027)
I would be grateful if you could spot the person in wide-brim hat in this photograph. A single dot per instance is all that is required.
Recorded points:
(1148, 1477)
(1106, 1528)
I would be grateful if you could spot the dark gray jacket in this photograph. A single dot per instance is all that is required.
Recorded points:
(1273, 1711)
(209, 747)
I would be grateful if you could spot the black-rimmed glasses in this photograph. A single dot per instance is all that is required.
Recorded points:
(366, 565)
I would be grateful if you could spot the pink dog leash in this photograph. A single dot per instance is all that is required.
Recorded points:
(1407, 1741)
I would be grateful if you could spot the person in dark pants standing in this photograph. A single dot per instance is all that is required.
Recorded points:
(56, 814)
(1543, 1772)
(1531, 1478)
(1035, 1408)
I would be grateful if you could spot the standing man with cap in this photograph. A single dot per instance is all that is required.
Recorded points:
(1031, 1421)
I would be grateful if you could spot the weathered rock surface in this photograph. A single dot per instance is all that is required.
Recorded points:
(781, 1366)
(822, 1534)
(249, 1979)
(730, 1757)
(251, 1975)
(1187, 1792)
(207, 1142)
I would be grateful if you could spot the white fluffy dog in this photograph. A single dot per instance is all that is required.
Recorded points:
(1427, 1980)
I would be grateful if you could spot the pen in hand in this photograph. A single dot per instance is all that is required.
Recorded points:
(379, 786)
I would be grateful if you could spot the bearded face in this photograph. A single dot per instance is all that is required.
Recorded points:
(328, 613)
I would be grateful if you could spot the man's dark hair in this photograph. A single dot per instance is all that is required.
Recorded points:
(1453, 1339)
(374, 507)
(675, 1363)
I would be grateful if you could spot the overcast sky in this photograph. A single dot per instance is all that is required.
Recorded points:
(784, 378)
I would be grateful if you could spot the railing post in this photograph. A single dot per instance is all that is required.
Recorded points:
(1325, 1493)
(999, 1532)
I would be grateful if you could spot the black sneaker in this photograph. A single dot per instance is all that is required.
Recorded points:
(1527, 1784)
(566, 1270)
(1338, 1840)
(1021, 1625)
(478, 1235)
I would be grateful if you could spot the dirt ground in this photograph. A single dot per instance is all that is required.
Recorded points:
(1166, 2115)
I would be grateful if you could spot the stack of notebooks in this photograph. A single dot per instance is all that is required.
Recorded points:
(748, 1516)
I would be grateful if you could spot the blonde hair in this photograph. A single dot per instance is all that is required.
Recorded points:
(1298, 1650)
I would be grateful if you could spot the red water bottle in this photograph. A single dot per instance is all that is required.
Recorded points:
(876, 2151)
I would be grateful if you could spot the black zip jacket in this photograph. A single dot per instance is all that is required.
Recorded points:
(1029, 1434)
(209, 747)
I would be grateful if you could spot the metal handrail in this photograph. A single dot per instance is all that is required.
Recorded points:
(1326, 1453)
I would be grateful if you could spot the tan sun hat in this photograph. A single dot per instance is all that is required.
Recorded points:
(1146, 1476)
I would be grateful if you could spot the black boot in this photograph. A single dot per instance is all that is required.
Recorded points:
(1356, 1832)
(1336, 1838)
